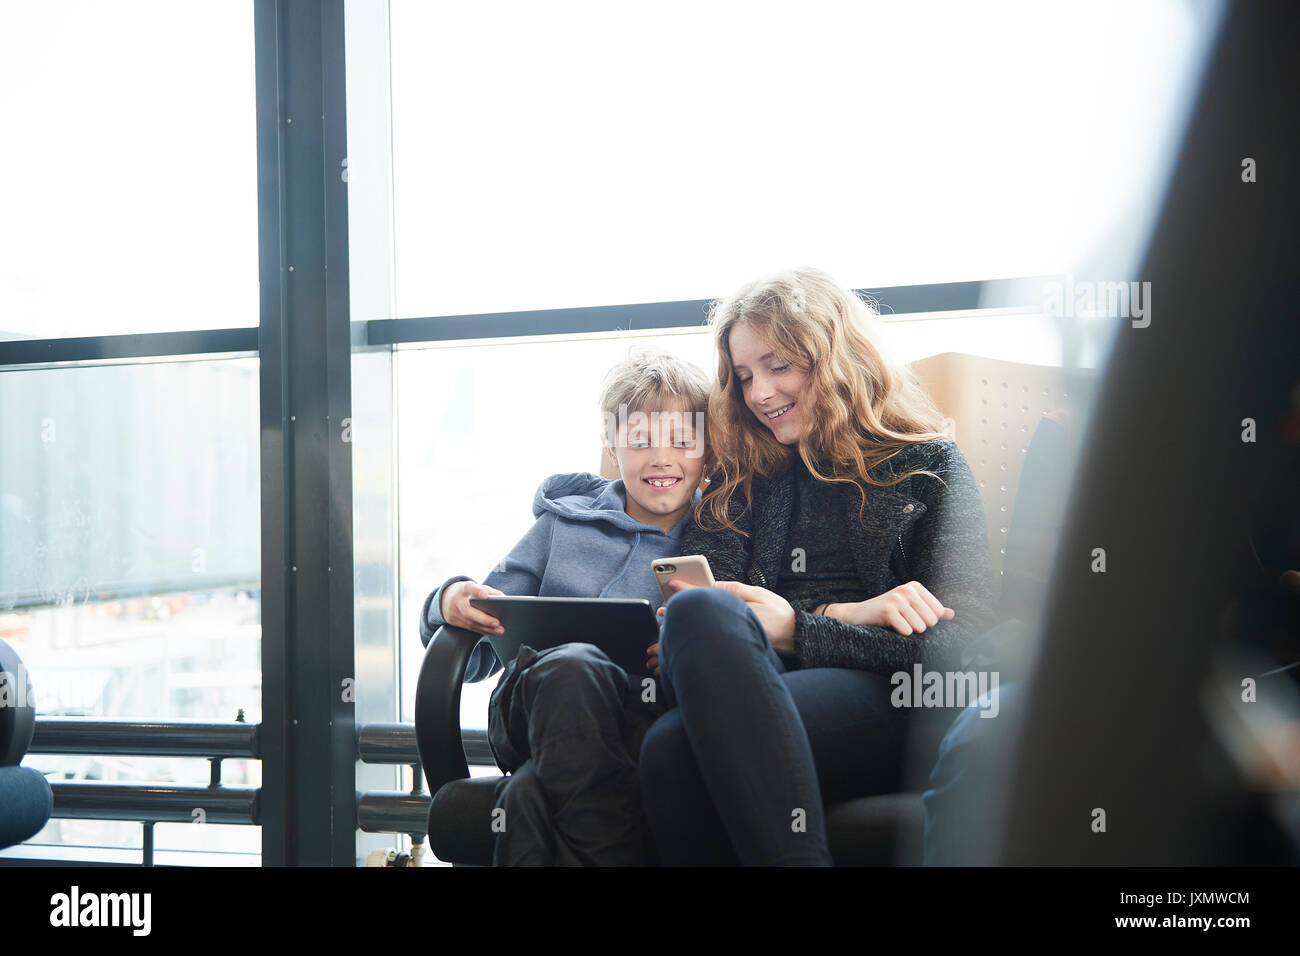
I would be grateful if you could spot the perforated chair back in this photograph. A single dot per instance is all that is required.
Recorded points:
(996, 407)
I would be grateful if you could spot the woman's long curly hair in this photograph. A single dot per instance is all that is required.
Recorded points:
(860, 409)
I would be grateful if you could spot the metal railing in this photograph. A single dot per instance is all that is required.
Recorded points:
(377, 811)
(396, 811)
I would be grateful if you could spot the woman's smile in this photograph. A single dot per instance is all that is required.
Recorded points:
(784, 418)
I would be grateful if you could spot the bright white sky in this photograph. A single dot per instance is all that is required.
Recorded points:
(549, 155)
(616, 154)
(129, 167)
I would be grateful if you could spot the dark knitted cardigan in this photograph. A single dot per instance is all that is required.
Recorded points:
(920, 529)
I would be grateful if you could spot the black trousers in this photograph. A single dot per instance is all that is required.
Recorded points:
(567, 724)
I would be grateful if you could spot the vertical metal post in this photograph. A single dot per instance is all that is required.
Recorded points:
(308, 791)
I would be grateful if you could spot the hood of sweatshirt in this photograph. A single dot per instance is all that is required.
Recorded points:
(581, 496)
(584, 544)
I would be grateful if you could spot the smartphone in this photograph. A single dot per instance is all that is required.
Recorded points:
(693, 568)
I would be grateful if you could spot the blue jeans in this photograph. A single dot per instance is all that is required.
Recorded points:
(738, 769)
(965, 808)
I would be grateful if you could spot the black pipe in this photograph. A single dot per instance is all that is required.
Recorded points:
(155, 803)
(393, 811)
(145, 738)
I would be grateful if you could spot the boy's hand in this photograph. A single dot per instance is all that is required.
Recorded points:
(458, 612)
(907, 609)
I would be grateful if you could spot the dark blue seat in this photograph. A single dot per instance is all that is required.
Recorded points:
(26, 801)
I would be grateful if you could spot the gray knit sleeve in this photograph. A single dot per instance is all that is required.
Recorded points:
(949, 554)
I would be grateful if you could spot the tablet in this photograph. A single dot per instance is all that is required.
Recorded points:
(622, 628)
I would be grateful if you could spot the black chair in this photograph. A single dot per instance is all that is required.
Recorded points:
(870, 830)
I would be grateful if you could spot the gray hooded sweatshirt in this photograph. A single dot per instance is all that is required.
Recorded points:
(583, 544)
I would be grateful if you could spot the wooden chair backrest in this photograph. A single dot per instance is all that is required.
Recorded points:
(995, 407)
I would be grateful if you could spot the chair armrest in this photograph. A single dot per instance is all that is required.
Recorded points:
(17, 708)
(437, 705)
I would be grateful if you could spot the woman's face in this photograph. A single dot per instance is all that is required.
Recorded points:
(772, 388)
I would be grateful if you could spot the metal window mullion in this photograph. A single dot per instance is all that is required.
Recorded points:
(308, 798)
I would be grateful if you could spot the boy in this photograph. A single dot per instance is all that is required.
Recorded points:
(566, 723)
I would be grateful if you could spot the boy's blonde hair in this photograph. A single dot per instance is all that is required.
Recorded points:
(651, 380)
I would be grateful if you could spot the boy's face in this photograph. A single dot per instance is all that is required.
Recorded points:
(660, 455)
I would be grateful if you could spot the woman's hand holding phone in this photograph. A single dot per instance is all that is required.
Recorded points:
(773, 611)
(907, 609)
(458, 612)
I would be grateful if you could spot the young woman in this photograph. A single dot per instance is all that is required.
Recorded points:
(847, 536)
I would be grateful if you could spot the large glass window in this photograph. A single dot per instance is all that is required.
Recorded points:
(518, 157)
(130, 568)
(549, 156)
(130, 167)
(525, 158)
